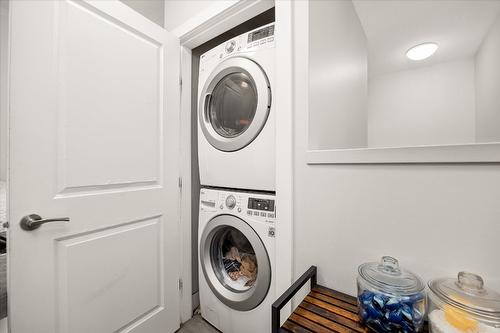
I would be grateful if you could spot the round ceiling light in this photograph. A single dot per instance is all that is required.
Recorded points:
(421, 51)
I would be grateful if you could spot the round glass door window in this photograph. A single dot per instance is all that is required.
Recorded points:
(233, 104)
(233, 260)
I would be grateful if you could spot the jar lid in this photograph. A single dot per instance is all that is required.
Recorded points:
(469, 294)
(387, 276)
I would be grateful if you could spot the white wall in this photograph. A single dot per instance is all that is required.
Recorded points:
(425, 106)
(171, 14)
(152, 9)
(488, 87)
(338, 80)
(437, 219)
(3, 88)
(178, 12)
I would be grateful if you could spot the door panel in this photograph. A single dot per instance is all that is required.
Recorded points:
(124, 278)
(107, 140)
(94, 137)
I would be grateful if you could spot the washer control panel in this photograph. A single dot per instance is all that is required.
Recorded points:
(230, 201)
(257, 206)
(261, 204)
(261, 207)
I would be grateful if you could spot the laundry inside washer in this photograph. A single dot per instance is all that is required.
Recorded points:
(234, 259)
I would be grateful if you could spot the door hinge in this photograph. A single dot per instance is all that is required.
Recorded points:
(180, 182)
(181, 284)
(180, 81)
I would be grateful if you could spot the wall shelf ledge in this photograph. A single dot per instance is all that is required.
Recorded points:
(442, 154)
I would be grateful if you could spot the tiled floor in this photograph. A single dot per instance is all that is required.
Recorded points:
(197, 325)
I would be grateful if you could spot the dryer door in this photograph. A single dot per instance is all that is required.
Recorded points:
(234, 104)
(235, 262)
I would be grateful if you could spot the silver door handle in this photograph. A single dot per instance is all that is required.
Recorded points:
(34, 221)
(206, 106)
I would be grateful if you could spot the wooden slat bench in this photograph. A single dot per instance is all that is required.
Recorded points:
(323, 310)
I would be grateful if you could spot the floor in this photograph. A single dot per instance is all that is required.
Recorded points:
(194, 325)
(3, 325)
(197, 325)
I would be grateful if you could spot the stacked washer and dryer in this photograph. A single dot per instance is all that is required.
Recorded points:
(236, 153)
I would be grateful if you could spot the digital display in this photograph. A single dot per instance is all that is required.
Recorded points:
(261, 204)
(261, 33)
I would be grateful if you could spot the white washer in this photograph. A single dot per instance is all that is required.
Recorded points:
(236, 118)
(236, 259)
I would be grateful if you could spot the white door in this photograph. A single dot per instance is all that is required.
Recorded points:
(94, 114)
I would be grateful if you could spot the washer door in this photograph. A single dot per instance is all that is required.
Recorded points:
(234, 104)
(235, 262)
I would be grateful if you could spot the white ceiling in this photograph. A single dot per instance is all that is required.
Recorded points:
(393, 26)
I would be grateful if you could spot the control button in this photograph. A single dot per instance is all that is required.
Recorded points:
(271, 215)
(271, 232)
(239, 209)
(256, 44)
(249, 212)
(230, 202)
(263, 214)
(270, 39)
(256, 213)
(221, 206)
(263, 42)
(230, 46)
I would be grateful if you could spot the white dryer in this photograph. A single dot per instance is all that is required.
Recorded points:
(236, 121)
(236, 259)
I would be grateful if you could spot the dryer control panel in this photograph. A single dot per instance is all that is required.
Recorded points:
(257, 39)
(264, 32)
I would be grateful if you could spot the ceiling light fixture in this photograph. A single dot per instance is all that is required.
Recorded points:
(421, 51)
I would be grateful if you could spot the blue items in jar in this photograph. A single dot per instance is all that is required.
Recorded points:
(390, 299)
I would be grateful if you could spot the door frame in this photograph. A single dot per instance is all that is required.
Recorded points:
(5, 123)
(212, 22)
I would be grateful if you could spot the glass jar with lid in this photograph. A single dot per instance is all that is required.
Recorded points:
(463, 305)
(390, 298)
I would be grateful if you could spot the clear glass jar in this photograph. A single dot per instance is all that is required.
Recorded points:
(463, 305)
(390, 299)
